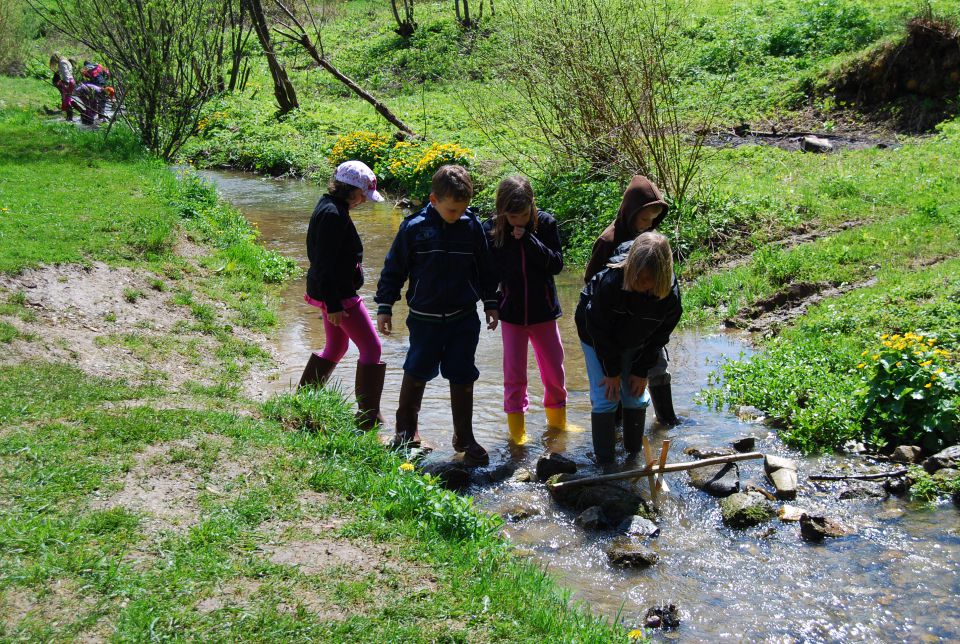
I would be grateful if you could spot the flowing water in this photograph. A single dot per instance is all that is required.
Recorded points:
(896, 579)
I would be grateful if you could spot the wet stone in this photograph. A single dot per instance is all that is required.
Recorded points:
(791, 513)
(625, 553)
(816, 145)
(700, 452)
(553, 464)
(519, 512)
(495, 473)
(749, 412)
(947, 475)
(716, 480)
(906, 454)
(772, 463)
(785, 480)
(744, 444)
(949, 457)
(618, 501)
(746, 509)
(862, 490)
(896, 485)
(453, 476)
(637, 526)
(817, 528)
(591, 519)
(522, 475)
(663, 616)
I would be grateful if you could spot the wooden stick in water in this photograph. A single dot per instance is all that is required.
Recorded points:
(651, 477)
(858, 477)
(669, 467)
(664, 448)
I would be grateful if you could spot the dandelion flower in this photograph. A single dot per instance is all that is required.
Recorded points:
(875, 356)
(861, 366)
(407, 467)
(928, 385)
(635, 634)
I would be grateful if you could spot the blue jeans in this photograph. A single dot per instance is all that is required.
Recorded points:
(598, 398)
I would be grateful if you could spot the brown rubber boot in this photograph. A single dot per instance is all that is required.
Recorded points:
(368, 387)
(408, 410)
(461, 404)
(317, 371)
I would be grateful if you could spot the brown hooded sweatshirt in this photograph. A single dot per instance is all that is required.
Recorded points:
(640, 193)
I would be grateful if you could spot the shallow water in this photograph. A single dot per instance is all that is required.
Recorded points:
(897, 579)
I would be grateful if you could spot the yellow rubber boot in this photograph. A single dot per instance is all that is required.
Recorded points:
(556, 417)
(517, 427)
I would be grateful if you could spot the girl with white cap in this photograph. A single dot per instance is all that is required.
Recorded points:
(335, 275)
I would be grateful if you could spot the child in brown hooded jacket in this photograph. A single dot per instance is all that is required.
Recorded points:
(642, 209)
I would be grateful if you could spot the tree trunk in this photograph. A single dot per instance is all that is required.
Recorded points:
(282, 87)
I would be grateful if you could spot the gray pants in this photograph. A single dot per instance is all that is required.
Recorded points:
(658, 374)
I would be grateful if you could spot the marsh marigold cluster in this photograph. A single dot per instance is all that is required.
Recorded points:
(910, 390)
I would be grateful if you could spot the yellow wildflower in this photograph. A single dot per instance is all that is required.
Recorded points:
(865, 352)
(875, 356)
(899, 364)
(406, 467)
(926, 363)
(884, 336)
(635, 634)
(861, 366)
(938, 372)
(927, 386)
(4, 210)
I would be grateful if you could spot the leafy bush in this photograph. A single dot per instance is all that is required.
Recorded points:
(825, 27)
(911, 394)
(368, 147)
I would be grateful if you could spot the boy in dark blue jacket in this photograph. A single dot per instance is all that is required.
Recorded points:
(443, 251)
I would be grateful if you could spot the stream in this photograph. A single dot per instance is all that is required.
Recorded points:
(896, 579)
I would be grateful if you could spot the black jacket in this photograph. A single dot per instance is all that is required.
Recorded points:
(528, 294)
(612, 320)
(449, 265)
(335, 253)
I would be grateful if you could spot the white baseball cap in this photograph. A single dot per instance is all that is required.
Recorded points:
(359, 175)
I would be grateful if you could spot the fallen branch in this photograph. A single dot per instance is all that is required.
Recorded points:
(656, 469)
(858, 477)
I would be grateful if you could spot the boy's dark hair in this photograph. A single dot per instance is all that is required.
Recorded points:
(452, 181)
(340, 191)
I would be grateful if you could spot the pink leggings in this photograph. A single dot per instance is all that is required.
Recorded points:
(548, 350)
(354, 325)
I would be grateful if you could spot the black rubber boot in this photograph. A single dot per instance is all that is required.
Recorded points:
(317, 371)
(604, 430)
(662, 399)
(406, 435)
(461, 404)
(633, 424)
(368, 388)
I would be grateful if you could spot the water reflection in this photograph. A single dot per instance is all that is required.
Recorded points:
(896, 580)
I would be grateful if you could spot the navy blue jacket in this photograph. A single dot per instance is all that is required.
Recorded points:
(613, 321)
(335, 253)
(449, 265)
(528, 294)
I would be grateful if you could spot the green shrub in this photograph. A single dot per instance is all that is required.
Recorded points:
(911, 393)
(408, 167)
(825, 27)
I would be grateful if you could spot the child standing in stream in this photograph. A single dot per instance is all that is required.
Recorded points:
(443, 251)
(335, 275)
(526, 249)
(65, 82)
(624, 319)
(642, 209)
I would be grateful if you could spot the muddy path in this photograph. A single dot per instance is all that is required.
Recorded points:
(897, 578)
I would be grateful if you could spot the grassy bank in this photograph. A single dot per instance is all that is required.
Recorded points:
(136, 507)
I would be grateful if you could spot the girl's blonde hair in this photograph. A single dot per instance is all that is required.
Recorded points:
(514, 196)
(650, 254)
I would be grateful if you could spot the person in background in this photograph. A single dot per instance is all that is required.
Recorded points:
(443, 251)
(642, 209)
(624, 319)
(64, 81)
(526, 251)
(335, 275)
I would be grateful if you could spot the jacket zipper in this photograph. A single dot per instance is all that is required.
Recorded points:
(526, 287)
